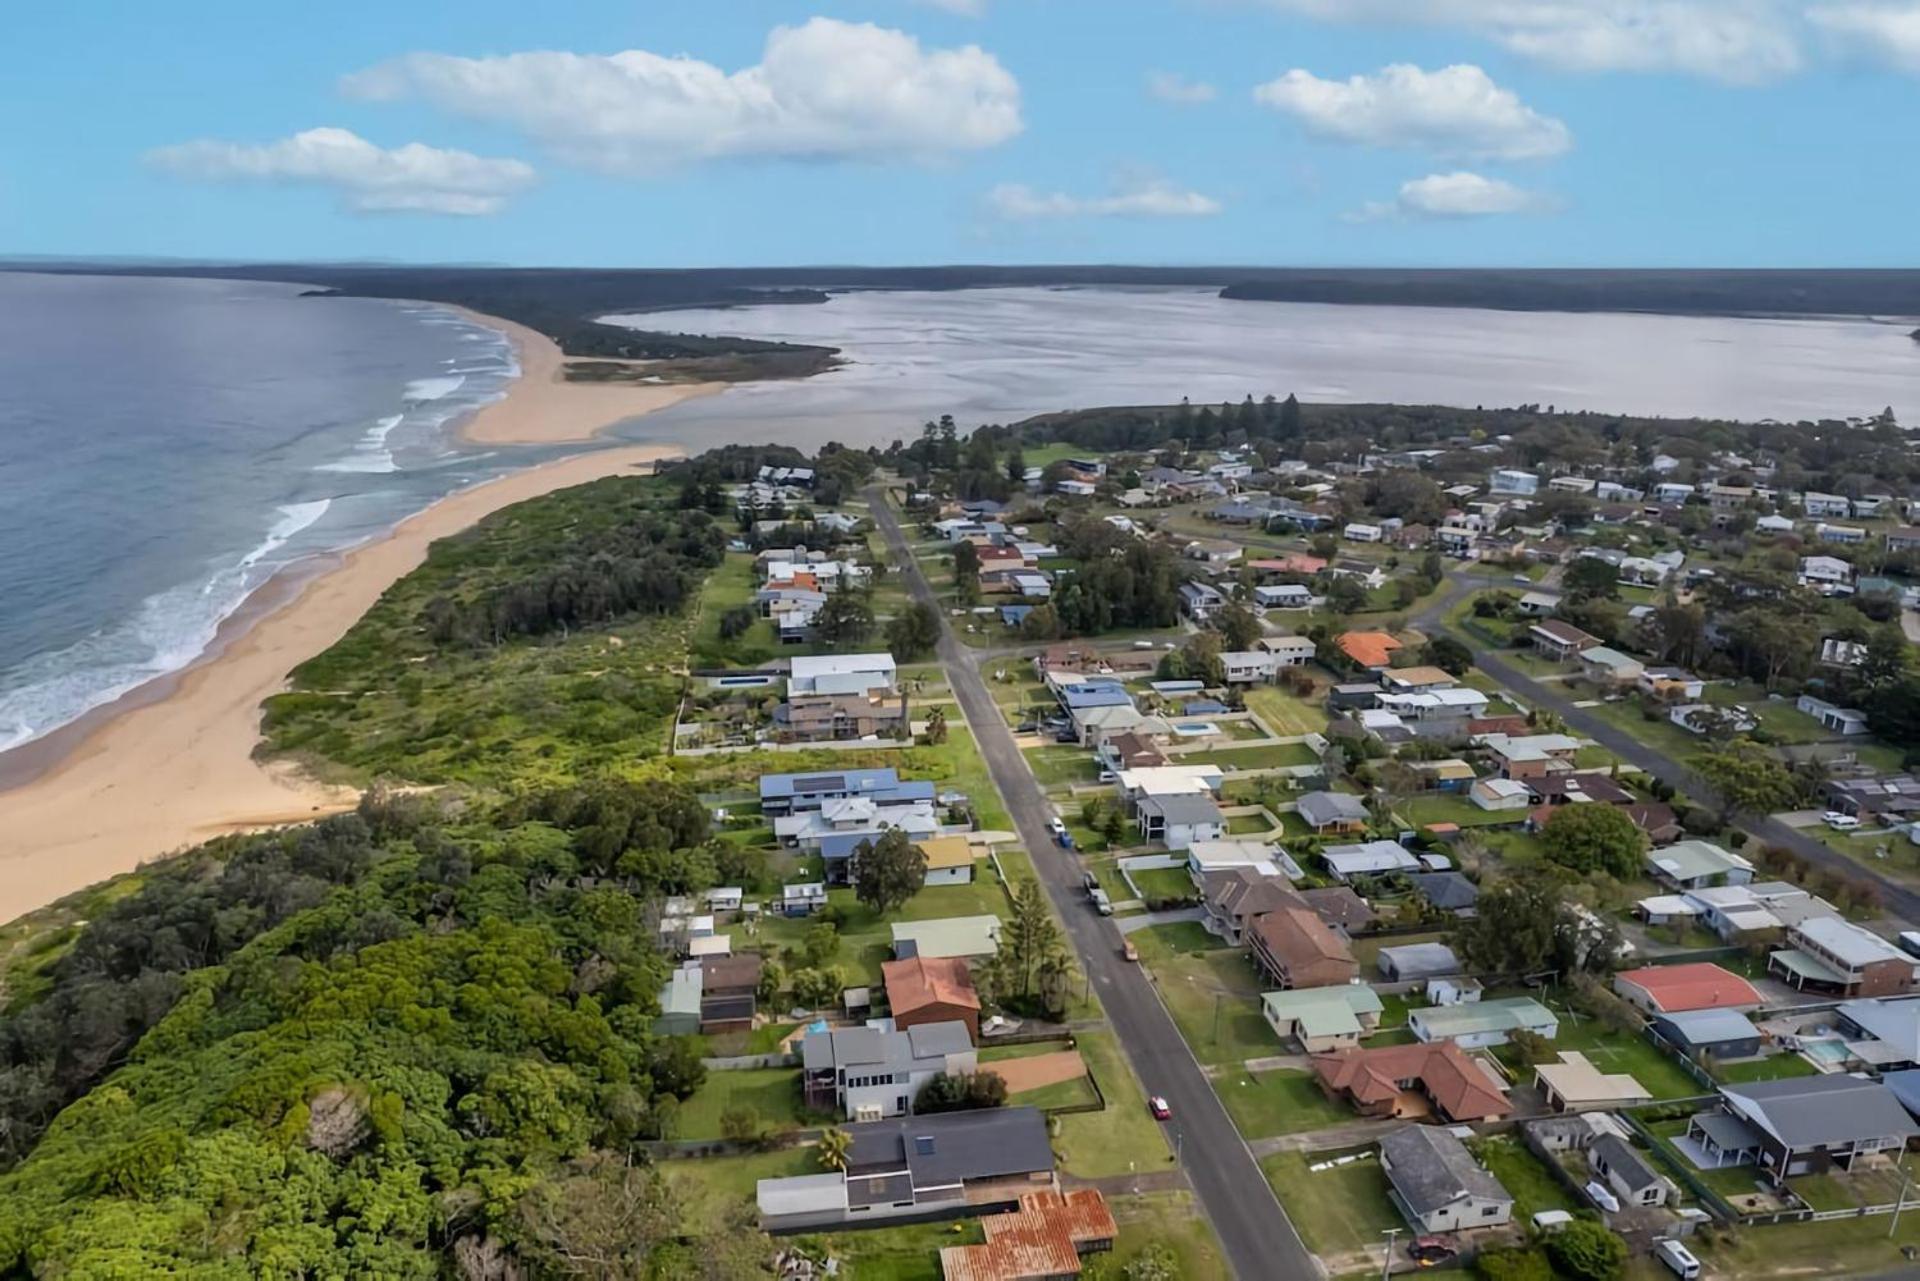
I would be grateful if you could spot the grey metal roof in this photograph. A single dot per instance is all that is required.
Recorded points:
(1321, 808)
(802, 1194)
(1420, 960)
(1182, 808)
(1807, 1112)
(931, 1040)
(1624, 1162)
(1431, 1169)
(952, 1147)
(871, 1047)
(1448, 891)
(1729, 1133)
(1709, 1027)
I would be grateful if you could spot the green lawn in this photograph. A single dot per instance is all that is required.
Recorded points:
(774, 1093)
(1059, 765)
(1439, 807)
(709, 1184)
(1164, 882)
(1288, 1101)
(1060, 1094)
(1173, 1219)
(1248, 825)
(1533, 1186)
(1772, 1067)
(1840, 1248)
(733, 584)
(1210, 989)
(1121, 1139)
(1283, 713)
(957, 764)
(1266, 756)
(1336, 1211)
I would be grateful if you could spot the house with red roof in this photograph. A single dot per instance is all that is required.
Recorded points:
(1435, 1077)
(1370, 650)
(1672, 989)
(928, 989)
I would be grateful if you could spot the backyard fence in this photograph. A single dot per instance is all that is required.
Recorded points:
(748, 1062)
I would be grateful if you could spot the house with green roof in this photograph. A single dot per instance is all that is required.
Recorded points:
(1323, 1018)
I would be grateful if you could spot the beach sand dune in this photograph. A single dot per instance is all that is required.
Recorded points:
(172, 764)
(545, 409)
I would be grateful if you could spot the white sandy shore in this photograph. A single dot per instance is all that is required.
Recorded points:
(543, 408)
(172, 764)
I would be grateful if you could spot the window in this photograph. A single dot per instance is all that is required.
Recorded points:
(1489, 1212)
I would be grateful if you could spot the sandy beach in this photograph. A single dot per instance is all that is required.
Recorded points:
(545, 409)
(172, 763)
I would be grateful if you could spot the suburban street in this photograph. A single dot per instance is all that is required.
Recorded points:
(1254, 1231)
(1898, 898)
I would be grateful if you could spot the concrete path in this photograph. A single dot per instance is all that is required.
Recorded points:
(1332, 1139)
(1148, 919)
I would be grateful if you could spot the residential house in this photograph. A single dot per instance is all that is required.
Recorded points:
(1284, 596)
(1538, 604)
(1442, 1078)
(1359, 533)
(1367, 574)
(1693, 865)
(1214, 551)
(1371, 651)
(923, 989)
(1453, 777)
(1756, 910)
(1322, 1019)
(1511, 481)
(680, 1002)
(1340, 908)
(1696, 985)
(803, 899)
(1833, 955)
(1880, 798)
(784, 794)
(842, 674)
(1836, 720)
(1332, 812)
(1500, 794)
(820, 718)
(1414, 961)
(728, 988)
(1201, 601)
(1290, 651)
(1044, 1240)
(1572, 485)
(1818, 504)
(918, 1165)
(953, 936)
(1438, 1186)
(1416, 680)
(1232, 900)
(1529, 756)
(1607, 666)
(1826, 574)
(1845, 534)
(1476, 1025)
(1802, 1125)
(1773, 525)
(1447, 892)
(1615, 1163)
(1720, 1034)
(866, 1073)
(1250, 667)
(949, 860)
(1370, 858)
(1835, 652)
(1558, 640)
(1672, 492)
(1574, 1084)
(1903, 540)
(1296, 949)
(1673, 684)
(1178, 821)
(1882, 1034)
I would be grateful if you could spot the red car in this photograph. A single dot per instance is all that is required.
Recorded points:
(1158, 1106)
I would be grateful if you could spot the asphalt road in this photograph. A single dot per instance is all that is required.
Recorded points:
(1897, 898)
(1259, 1241)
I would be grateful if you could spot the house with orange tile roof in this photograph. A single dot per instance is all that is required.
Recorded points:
(1405, 1080)
(1671, 989)
(1294, 947)
(927, 989)
(1045, 1239)
(1371, 650)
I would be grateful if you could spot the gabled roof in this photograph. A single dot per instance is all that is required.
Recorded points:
(1369, 649)
(1622, 1161)
(1295, 936)
(1431, 1169)
(1813, 1111)
(946, 852)
(1698, 985)
(1321, 808)
(1448, 891)
(1710, 1027)
(952, 1147)
(1042, 1239)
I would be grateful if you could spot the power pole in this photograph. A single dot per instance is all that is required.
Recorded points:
(1386, 1264)
(1901, 1203)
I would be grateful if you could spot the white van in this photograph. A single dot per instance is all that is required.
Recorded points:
(1678, 1258)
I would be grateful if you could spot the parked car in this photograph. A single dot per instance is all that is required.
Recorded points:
(1158, 1106)
(1090, 881)
(1429, 1251)
(1678, 1258)
(1101, 903)
(1128, 951)
(1108, 776)
(1603, 1197)
(1523, 579)
(1058, 828)
(1839, 822)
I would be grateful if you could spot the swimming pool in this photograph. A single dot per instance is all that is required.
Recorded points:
(1196, 729)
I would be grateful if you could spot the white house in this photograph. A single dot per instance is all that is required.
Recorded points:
(1290, 651)
(1248, 667)
(1827, 574)
(1837, 720)
(1508, 480)
(1817, 504)
(1358, 533)
(842, 674)
(865, 1073)
(1672, 492)
(1284, 596)
(1437, 1185)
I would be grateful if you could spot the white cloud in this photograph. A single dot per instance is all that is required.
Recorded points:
(1455, 111)
(1736, 41)
(1171, 86)
(1148, 199)
(1888, 33)
(369, 179)
(1453, 195)
(824, 90)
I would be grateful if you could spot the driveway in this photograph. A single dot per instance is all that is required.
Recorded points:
(1254, 1232)
(1146, 920)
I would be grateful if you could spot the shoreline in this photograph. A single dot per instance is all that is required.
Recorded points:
(170, 763)
(543, 408)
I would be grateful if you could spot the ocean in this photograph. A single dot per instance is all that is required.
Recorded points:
(167, 446)
(999, 355)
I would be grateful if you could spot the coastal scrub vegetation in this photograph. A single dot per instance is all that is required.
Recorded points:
(540, 645)
(373, 1046)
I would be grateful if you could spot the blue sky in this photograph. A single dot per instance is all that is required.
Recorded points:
(1442, 132)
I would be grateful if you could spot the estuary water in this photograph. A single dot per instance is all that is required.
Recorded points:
(997, 355)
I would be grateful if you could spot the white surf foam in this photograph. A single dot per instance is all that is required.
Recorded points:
(421, 389)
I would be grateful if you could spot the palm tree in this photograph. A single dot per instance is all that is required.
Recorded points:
(835, 1146)
(937, 726)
